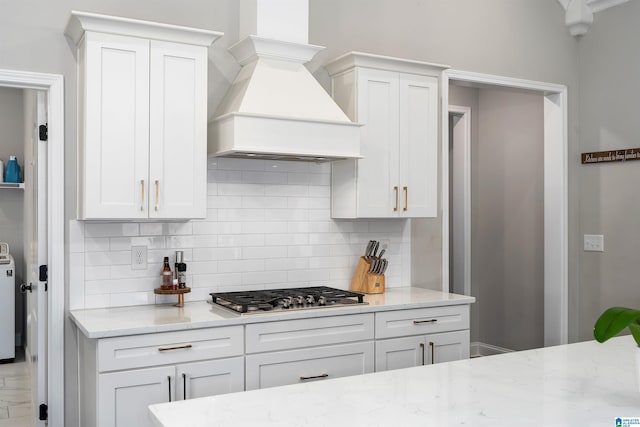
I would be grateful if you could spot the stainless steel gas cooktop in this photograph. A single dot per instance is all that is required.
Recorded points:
(252, 302)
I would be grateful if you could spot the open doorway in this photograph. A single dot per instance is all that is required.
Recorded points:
(496, 213)
(554, 231)
(43, 250)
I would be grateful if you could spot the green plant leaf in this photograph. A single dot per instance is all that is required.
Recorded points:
(614, 320)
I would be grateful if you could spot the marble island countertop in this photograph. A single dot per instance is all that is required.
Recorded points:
(583, 384)
(120, 321)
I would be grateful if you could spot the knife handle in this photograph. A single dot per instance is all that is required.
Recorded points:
(395, 209)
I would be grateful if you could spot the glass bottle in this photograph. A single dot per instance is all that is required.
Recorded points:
(166, 276)
(12, 172)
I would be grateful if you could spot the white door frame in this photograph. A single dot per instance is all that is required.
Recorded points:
(53, 84)
(556, 280)
(465, 122)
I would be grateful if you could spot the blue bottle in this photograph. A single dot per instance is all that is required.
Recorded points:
(12, 171)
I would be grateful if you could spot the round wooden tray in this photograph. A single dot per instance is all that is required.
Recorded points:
(179, 292)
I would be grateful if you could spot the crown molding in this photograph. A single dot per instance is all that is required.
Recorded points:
(579, 13)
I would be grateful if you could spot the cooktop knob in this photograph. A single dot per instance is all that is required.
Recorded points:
(322, 300)
(311, 300)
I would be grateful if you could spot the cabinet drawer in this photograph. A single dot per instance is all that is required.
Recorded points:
(169, 347)
(274, 336)
(309, 364)
(418, 321)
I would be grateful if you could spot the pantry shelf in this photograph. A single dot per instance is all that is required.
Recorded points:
(16, 185)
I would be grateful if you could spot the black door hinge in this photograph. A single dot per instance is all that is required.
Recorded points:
(44, 412)
(44, 276)
(43, 131)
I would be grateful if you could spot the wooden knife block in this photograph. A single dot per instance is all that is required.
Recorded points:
(365, 282)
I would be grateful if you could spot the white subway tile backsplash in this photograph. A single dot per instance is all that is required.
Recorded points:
(249, 202)
(111, 229)
(151, 229)
(241, 190)
(264, 227)
(96, 244)
(264, 252)
(268, 225)
(270, 177)
(240, 240)
(125, 243)
(240, 266)
(216, 254)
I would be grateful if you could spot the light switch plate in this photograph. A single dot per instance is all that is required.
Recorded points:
(138, 257)
(594, 243)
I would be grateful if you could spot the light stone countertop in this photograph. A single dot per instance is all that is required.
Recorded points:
(120, 321)
(583, 384)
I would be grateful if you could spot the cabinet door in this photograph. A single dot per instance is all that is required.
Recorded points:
(377, 172)
(309, 364)
(115, 126)
(447, 346)
(418, 146)
(399, 353)
(178, 131)
(123, 397)
(209, 378)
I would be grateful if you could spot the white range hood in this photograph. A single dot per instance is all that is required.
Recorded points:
(275, 108)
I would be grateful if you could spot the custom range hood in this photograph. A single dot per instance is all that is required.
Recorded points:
(275, 108)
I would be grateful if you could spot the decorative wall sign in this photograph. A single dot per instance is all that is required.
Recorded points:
(611, 156)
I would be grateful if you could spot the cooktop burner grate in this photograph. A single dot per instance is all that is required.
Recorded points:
(286, 299)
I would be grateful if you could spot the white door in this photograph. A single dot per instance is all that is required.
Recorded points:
(209, 378)
(178, 131)
(399, 353)
(124, 397)
(36, 249)
(418, 146)
(115, 127)
(378, 187)
(447, 346)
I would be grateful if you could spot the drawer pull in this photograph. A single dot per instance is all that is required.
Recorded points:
(184, 386)
(433, 352)
(422, 347)
(417, 322)
(169, 378)
(314, 377)
(180, 347)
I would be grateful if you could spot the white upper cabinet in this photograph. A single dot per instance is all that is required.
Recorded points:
(142, 118)
(397, 101)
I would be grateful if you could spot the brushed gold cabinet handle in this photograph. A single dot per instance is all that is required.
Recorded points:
(422, 347)
(180, 347)
(395, 209)
(314, 377)
(433, 352)
(142, 186)
(157, 195)
(406, 198)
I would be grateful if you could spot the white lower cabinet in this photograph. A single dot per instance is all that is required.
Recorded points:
(406, 352)
(297, 351)
(309, 364)
(121, 376)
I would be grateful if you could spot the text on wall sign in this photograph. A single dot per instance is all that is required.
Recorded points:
(611, 156)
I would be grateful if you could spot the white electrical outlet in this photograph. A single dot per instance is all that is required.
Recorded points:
(138, 257)
(594, 243)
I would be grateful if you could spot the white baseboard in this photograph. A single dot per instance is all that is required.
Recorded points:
(482, 349)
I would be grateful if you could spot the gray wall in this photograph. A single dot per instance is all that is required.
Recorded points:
(507, 244)
(11, 228)
(507, 195)
(609, 201)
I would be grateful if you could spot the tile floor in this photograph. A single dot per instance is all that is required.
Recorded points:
(15, 394)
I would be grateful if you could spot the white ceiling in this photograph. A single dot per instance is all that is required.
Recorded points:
(579, 13)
